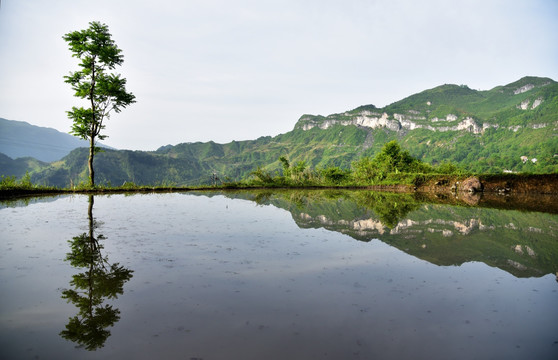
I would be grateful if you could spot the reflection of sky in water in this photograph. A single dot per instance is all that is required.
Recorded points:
(216, 278)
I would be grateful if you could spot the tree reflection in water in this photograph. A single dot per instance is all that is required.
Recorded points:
(100, 281)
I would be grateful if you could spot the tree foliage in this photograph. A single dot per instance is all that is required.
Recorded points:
(95, 82)
(391, 159)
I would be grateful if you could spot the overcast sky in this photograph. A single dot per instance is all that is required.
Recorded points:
(226, 70)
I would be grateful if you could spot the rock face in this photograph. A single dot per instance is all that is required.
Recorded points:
(471, 184)
(394, 122)
(523, 89)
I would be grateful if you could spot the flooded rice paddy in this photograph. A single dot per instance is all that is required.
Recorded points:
(287, 275)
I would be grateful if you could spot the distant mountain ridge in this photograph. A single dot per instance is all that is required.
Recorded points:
(452, 108)
(19, 139)
(508, 128)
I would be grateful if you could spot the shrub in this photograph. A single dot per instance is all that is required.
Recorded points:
(11, 182)
(263, 176)
(335, 175)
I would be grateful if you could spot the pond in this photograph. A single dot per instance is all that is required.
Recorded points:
(275, 275)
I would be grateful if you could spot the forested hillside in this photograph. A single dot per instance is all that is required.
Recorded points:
(511, 128)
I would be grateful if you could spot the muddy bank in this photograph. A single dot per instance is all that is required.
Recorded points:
(501, 184)
(507, 191)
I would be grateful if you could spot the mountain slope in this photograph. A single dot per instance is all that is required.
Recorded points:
(486, 131)
(21, 139)
(508, 128)
(20, 166)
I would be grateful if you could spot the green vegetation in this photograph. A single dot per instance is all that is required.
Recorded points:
(10, 183)
(391, 166)
(503, 136)
(103, 90)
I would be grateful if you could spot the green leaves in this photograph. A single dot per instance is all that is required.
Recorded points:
(84, 121)
(103, 90)
(111, 94)
(390, 160)
(335, 175)
(94, 47)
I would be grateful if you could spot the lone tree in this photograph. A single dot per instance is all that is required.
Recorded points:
(105, 91)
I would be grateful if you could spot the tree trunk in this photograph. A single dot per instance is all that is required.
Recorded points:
(90, 163)
(93, 126)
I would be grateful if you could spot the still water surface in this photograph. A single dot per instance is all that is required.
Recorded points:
(244, 276)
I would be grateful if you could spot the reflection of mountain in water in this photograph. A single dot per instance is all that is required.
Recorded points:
(522, 243)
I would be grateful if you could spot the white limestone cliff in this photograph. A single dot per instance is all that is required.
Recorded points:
(396, 122)
(411, 121)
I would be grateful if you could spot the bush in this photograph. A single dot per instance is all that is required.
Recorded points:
(389, 162)
(335, 175)
(11, 182)
(262, 176)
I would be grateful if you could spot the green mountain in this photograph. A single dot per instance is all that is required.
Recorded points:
(486, 131)
(509, 128)
(20, 166)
